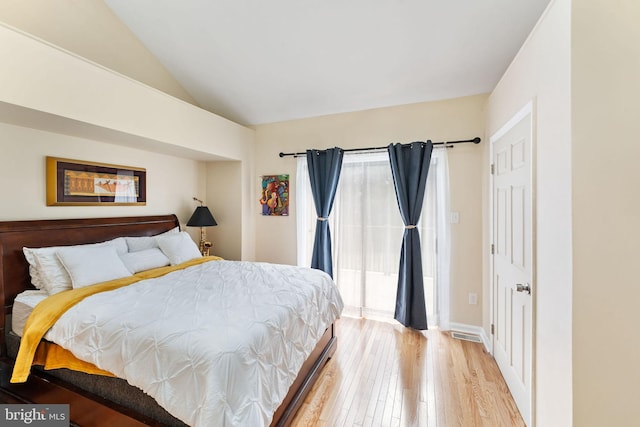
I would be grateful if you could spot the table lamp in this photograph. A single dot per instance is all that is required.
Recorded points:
(202, 217)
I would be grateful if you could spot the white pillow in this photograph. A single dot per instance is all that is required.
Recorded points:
(30, 256)
(91, 265)
(119, 242)
(144, 260)
(178, 247)
(49, 273)
(142, 243)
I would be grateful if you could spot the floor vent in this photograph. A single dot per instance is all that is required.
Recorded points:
(466, 337)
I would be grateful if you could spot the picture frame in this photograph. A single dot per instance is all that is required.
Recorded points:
(82, 183)
(274, 195)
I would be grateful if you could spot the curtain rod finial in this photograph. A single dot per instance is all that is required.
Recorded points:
(476, 140)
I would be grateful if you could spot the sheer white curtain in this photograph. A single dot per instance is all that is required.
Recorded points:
(367, 231)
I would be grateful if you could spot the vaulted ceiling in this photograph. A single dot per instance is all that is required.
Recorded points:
(256, 61)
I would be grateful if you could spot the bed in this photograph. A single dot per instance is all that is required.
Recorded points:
(95, 398)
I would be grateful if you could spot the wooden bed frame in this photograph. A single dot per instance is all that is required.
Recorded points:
(87, 409)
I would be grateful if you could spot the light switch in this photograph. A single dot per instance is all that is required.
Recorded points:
(473, 298)
(455, 217)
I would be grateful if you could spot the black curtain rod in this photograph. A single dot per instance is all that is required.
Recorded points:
(475, 140)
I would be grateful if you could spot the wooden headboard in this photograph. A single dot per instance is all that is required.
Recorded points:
(14, 235)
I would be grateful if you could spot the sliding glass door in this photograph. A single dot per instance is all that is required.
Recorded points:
(367, 235)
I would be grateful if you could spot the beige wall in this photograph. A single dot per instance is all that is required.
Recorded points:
(606, 211)
(461, 118)
(54, 91)
(90, 29)
(22, 172)
(94, 100)
(541, 73)
(231, 195)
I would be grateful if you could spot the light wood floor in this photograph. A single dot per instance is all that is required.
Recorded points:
(383, 374)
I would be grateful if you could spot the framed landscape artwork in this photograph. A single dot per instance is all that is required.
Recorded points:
(81, 183)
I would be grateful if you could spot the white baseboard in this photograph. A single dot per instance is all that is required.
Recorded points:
(471, 329)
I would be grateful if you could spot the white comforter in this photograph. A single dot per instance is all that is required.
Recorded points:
(217, 344)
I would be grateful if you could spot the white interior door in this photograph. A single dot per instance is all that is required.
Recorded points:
(513, 257)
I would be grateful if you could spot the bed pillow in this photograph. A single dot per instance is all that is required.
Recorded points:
(144, 260)
(91, 265)
(136, 244)
(119, 242)
(178, 247)
(30, 256)
(48, 273)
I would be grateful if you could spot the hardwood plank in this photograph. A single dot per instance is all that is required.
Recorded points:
(383, 374)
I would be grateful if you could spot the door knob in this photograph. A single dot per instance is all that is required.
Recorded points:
(523, 288)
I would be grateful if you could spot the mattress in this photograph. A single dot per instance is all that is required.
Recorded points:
(22, 307)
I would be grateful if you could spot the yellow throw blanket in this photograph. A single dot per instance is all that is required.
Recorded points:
(47, 313)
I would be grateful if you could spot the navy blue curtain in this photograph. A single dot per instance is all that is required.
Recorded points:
(410, 166)
(324, 173)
